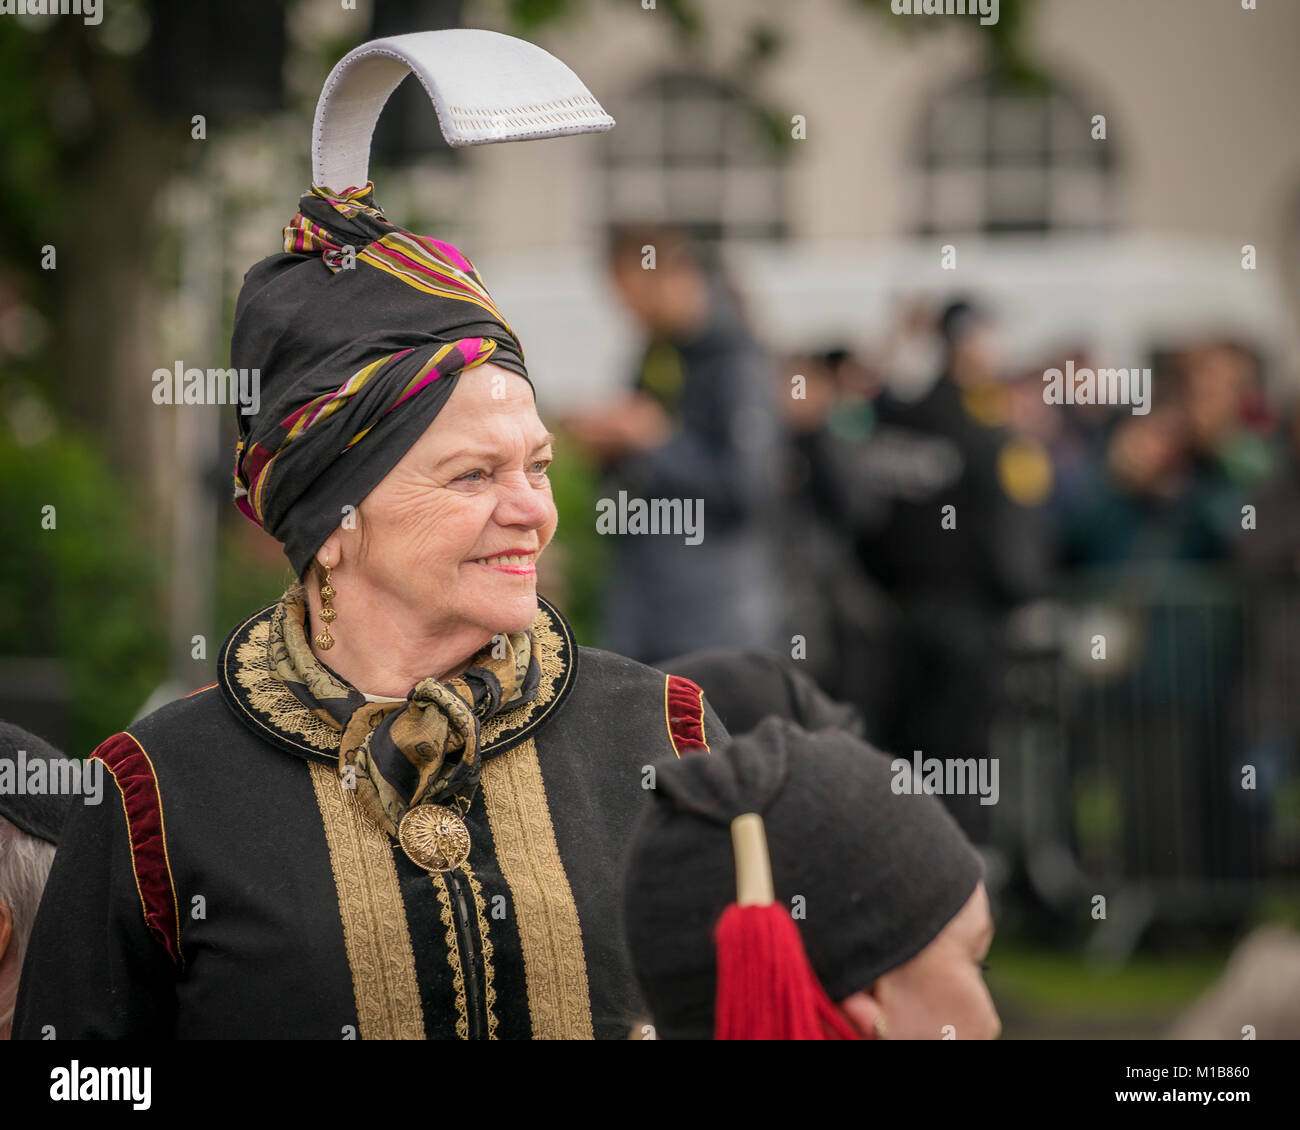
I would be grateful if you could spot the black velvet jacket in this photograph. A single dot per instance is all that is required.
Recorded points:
(230, 887)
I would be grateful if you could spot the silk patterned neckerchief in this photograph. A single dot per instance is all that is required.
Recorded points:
(421, 750)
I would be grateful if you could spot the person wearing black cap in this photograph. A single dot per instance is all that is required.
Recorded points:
(399, 812)
(30, 823)
(859, 910)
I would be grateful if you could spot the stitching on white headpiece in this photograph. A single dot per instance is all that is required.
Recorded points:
(461, 69)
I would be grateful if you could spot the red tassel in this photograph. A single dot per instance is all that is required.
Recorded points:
(767, 989)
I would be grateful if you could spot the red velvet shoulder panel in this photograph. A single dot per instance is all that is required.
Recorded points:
(684, 705)
(126, 760)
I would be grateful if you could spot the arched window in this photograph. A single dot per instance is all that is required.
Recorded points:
(692, 150)
(998, 159)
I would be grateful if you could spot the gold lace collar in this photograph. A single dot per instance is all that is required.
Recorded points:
(246, 673)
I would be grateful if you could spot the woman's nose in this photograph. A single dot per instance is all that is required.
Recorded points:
(522, 503)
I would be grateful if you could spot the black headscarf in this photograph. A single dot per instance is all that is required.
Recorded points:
(358, 329)
(880, 873)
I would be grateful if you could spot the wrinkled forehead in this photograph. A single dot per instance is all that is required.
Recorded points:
(490, 408)
(489, 382)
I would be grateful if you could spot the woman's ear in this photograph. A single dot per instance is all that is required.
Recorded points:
(330, 552)
(863, 1012)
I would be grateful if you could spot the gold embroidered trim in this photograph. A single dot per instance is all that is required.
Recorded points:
(375, 931)
(268, 695)
(548, 643)
(555, 969)
(255, 672)
(489, 991)
(453, 957)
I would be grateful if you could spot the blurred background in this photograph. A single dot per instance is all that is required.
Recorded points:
(875, 234)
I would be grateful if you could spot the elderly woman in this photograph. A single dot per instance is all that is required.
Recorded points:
(401, 810)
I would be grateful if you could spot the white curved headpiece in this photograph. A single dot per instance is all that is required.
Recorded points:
(485, 87)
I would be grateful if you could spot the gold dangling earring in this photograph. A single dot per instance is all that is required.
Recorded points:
(325, 641)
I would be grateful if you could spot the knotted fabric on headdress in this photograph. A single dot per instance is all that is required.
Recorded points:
(358, 330)
(421, 750)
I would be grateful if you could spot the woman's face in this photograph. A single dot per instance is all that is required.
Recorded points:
(455, 528)
(940, 992)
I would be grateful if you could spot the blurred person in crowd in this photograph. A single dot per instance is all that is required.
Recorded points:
(1158, 531)
(1073, 436)
(949, 446)
(914, 355)
(1173, 481)
(837, 618)
(30, 823)
(1271, 549)
(940, 503)
(698, 426)
(854, 375)
(895, 925)
(1229, 418)
(1131, 510)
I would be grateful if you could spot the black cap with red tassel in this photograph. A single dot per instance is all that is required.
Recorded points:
(733, 835)
(767, 989)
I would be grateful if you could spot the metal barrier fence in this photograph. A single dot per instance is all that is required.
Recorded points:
(1150, 745)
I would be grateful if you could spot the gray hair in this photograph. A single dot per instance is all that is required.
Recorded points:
(24, 866)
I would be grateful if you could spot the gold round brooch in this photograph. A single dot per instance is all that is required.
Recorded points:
(434, 837)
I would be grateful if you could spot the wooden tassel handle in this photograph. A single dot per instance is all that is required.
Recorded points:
(753, 867)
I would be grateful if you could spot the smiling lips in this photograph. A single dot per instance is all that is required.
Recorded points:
(518, 564)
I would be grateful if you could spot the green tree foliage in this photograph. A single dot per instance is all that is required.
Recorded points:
(89, 592)
(576, 484)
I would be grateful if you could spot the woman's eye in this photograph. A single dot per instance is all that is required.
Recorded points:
(470, 477)
(541, 466)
